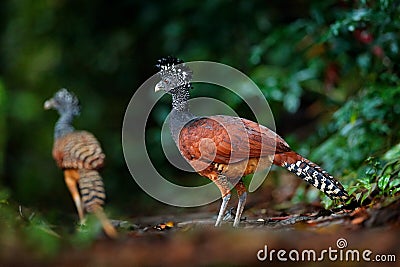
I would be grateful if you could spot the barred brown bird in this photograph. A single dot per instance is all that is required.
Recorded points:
(79, 155)
(225, 148)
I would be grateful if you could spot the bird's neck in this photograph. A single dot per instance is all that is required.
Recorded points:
(64, 125)
(180, 101)
(180, 114)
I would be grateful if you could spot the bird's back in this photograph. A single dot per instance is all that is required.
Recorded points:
(226, 139)
(78, 150)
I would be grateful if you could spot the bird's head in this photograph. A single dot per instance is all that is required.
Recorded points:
(64, 102)
(175, 75)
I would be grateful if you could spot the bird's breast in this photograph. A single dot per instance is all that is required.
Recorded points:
(232, 170)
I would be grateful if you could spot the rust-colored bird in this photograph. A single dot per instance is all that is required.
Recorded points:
(225, 148)
(79, 155)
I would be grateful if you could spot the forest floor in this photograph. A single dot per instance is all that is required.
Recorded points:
(305, 234)
(191, 240)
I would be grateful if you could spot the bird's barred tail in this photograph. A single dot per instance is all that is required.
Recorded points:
(91, 188)
(316, 176)
(93, 196)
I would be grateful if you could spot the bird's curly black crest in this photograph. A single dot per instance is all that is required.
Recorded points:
(168, 62)
(174, 72)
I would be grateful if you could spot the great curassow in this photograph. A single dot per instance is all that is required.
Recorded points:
(225, 148)
(79, 155)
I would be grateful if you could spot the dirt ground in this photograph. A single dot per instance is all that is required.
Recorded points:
(190, 239)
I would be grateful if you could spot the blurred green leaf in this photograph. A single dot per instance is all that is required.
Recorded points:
(88, 232)
(383, 182)
(393, 153)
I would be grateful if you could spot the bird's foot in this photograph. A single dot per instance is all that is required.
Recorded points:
(229, 215)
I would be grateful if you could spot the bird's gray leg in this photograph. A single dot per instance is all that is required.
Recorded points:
(222, 209)
(242, 194)
(223, 185)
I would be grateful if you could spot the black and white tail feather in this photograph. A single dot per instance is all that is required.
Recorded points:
(317, 177)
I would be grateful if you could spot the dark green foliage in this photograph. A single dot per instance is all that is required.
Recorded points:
(3, 125)
(366, 125)
(24, 229)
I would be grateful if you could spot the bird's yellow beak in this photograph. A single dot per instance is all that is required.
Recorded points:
(48, 104)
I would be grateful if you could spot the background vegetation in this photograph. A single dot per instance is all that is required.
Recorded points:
(329, 69)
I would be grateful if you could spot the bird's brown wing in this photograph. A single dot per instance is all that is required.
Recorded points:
(226, 139)
(78, 150)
